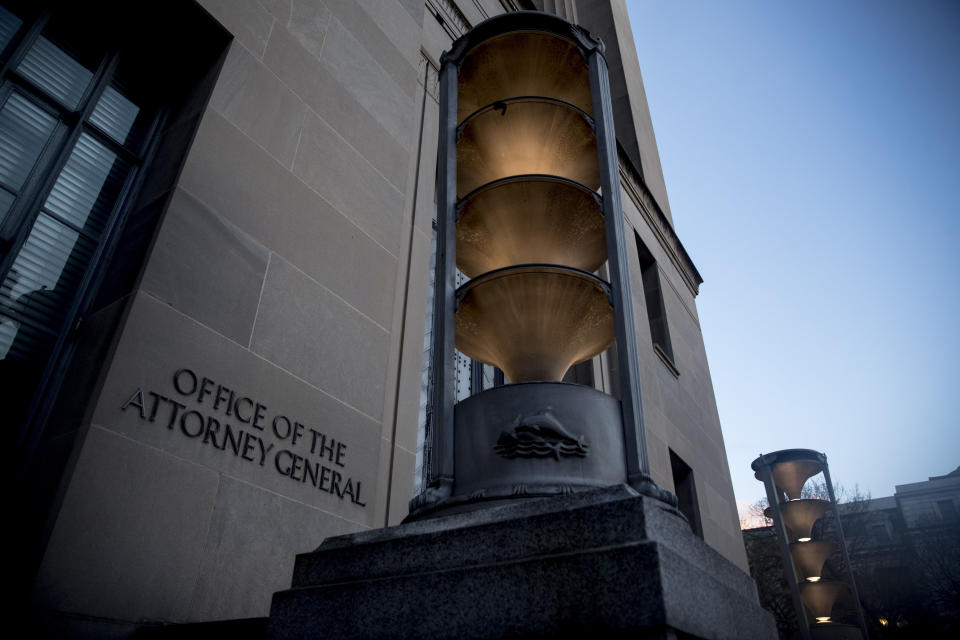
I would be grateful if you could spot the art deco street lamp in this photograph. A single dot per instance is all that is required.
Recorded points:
(784, 473)
(529, 210)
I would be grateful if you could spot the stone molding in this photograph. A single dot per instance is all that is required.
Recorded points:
(517, 5)
(448, 14)
(482, 11)
(658, 222)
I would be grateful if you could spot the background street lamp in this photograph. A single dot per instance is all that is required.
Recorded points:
(784, 474)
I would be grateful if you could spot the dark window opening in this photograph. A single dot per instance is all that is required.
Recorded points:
(686, 490)
(653, 297)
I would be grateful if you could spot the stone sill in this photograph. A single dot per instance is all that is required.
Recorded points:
(666, 361)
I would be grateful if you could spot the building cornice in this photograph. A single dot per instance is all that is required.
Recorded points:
(455, 23)
(658, 222)
(518, 5)
(448, 14)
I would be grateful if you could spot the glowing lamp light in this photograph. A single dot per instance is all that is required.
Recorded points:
(810, 556)
(800, 516)
(530, 228)
(534, 321)
(819, 597)
(523, 63)
(526, 135)
(530, 219)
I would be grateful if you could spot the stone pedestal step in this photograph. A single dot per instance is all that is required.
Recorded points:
(608, 561)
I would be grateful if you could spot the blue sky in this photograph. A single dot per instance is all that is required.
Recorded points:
(811, 152)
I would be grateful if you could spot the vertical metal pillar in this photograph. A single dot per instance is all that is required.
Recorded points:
(631, 403)
(443, 393)
(780, 530)
(846, 556)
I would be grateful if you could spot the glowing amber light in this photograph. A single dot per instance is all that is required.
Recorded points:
(523, 63)
(525, 136)
(530, 228)
(823, 619)
(810, 556)
(533, 322)
(530, 219)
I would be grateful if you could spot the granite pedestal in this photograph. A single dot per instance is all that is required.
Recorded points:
(608, 562)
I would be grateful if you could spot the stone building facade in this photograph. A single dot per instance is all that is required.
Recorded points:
(234, 374)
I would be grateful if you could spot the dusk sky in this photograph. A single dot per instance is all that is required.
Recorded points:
(812, 158)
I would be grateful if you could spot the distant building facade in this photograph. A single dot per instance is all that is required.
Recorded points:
(216, 258)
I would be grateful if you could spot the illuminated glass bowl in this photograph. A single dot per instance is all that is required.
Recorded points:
(530, 219)
(534, 321)
(526, 136)
(523, 63)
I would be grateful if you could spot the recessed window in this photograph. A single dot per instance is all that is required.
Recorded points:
(686, 490)
(653, 297)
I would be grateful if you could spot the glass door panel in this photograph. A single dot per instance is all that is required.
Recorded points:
(47, 271)
(88, 186)
(56, 72)
(119, 118)
(24, 129)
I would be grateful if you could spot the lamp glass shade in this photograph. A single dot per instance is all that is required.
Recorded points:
(526, 136)
(819, 597)
(534, 321)
(790, 476)
(808, 557)
(523, 63)
(530, 219)
(799, 516)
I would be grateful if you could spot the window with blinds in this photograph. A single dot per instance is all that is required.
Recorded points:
(75, 120)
